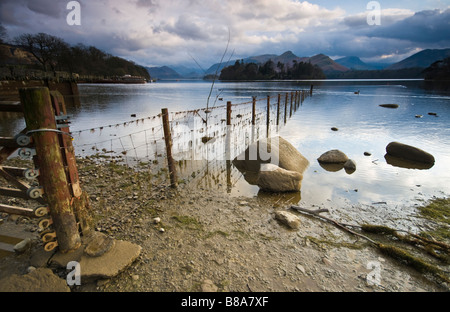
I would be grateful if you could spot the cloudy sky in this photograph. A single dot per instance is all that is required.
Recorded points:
(171, 32)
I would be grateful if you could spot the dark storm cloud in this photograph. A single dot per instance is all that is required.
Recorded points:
(430, 26)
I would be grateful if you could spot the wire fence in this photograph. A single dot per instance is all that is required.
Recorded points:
(206, 135)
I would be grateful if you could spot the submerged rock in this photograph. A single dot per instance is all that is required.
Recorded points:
(389, 105)
(350, 166)
(333, 157)
(409, 152)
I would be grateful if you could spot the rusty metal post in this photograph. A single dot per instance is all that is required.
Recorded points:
(40, 118)
(168, 140)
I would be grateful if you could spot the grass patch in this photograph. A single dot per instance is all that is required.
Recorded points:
(438, 211)
(189, 222)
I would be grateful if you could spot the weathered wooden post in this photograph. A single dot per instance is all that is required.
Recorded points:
(285, 107)
(268, 116)
(311, 90)
(290, 113)
(278, 110)
(228, 113)
(168, 141)
(40, 119)
(254, 111)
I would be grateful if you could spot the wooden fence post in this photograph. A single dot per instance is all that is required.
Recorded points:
(285, 107)
(228, 113)
(278, 109)
(168, 141)
(290, 113)
(254, 111)
(268, 116)
(40, 118)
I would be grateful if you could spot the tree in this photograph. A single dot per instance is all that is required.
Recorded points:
(47, 49)
(3, 34)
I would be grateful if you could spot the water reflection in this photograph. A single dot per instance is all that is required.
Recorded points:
(363, 126)
(402, 163)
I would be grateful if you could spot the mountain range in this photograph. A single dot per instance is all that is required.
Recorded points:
(329, 66)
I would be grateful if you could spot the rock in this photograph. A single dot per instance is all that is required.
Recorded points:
(208, 286)
(367, 154)
(333, 156)
(38, 280)
(432, 114)
(334, 129)
(22, 246)
(275, 179)
(288, 218)
(98, 244)
(350, 166)
(156, 220)
(111, 263)
(389, 105)
(274, 150)
(409, 152)
(301, 268)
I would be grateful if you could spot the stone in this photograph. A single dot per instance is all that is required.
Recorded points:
(97, 244)
(333, 156)
(208, 286)
(367, 154)
(409, 152)
(334, 129)
(350, 166)
(389, 105)
(23, 245)
(275, 179)
(288, 218)
(111, 263)
(38, 280)
(275, 150)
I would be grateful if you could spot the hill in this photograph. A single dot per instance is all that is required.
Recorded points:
(439, 70)
(324, 62)
(422, 59)
(17, 62)
(327, 65)
(163, 72)
(355, 63)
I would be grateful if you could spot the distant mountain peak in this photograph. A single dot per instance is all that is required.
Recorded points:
(288, 54)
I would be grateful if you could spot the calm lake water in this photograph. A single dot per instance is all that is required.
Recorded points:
(125, 118)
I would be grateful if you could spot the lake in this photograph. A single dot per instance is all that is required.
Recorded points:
(122, 120)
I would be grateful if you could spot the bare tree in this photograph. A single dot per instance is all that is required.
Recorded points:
(45, 48)
(3, 34)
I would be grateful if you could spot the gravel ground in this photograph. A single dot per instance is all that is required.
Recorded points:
(195, 239)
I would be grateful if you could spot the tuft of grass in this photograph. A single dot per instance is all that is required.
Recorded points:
(438, 211)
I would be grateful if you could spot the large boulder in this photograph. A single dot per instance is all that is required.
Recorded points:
(275, 179)
(273, 164)
(409, 152)
(333, 157)
(274, 150)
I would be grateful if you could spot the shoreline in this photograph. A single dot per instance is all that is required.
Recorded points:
(216, 242)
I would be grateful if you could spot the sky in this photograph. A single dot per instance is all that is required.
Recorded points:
(199, 33)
